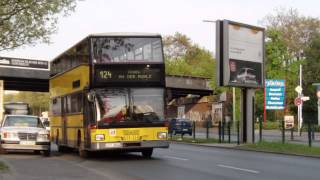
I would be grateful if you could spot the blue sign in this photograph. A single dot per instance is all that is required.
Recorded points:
(275, 94)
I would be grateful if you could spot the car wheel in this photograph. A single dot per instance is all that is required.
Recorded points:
(62, 149)
(147, 153)
(37, 152)
(83, 153)
(190, 134)
(46, 153)
(174, 132)
(2, 151)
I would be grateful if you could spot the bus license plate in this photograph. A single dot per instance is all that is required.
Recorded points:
(27, 142)
(131, 138)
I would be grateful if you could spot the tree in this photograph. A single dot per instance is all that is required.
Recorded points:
(27, 21)
(188, 59)
(176, 46)
(37, 101)
(288, 34)
(297, 30)
(311, 74)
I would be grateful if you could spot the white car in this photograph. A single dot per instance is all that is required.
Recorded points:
(24, 132)
(247, 75)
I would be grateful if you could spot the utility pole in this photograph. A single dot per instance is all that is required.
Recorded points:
(300, 120)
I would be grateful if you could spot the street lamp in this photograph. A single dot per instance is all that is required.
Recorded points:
(209, 21)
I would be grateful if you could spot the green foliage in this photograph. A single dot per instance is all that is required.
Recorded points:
(288, 34)
(187, 59)
(3, 166)
(176, 46)
(37, 101)
(311, 75)
(26, 21)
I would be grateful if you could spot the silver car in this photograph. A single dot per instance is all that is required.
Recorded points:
(24, 132)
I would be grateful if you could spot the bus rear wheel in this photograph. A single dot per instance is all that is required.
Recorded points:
(147, 153)
(83, 153)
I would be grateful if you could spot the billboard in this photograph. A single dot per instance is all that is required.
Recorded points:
(275, 94)
(240, 54)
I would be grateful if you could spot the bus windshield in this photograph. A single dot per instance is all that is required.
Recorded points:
(129, 105)
(123, 50)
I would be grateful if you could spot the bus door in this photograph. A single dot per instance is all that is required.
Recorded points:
(88, 117)
(64, 120)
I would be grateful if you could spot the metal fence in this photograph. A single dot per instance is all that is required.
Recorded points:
(230, 133)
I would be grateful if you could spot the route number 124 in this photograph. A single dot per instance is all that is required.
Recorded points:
(105, 75)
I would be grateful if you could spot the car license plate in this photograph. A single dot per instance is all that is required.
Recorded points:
(27, 142)
(185, 129)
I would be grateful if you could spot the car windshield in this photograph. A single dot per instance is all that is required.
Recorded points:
(22, 121)
(184, 122)
(251, 71)
(129, 105)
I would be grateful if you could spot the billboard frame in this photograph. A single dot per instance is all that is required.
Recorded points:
(223, 58)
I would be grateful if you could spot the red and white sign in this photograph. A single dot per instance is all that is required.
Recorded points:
(297, 101)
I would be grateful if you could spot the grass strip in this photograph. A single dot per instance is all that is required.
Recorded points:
(191, 140)
(289, 148)
(3, 167)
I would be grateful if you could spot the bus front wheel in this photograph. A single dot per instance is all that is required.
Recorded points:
(147, 153)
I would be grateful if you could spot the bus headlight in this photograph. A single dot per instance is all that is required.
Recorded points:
(99, 137)
(162, 135)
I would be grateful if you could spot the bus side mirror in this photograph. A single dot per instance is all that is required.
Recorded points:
(90, 97)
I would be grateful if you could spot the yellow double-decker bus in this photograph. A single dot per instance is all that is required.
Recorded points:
(108, 93)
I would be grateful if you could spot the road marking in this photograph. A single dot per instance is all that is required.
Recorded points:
(240, 169)
(176, 158)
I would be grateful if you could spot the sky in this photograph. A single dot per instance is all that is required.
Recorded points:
(156, 16)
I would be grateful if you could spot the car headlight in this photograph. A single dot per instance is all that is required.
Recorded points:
(10, 135)
(162, 135)
(44, 136)
(99, 137)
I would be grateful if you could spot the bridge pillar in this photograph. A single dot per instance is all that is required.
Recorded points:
(1, 99)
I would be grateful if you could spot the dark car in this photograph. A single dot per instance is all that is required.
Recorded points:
(180, 126)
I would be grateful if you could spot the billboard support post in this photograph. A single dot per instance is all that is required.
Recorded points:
(247, 115)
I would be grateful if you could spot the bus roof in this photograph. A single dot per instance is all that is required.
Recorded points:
(139, 34)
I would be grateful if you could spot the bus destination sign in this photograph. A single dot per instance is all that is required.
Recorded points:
(127, 75)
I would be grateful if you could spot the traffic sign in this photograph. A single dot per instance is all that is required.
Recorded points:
(298, 89)
(305, 98)
(297, 101)
(288, 122)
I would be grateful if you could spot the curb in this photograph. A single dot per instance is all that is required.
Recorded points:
(239, 148)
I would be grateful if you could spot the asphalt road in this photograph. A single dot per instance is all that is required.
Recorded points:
(178, 162)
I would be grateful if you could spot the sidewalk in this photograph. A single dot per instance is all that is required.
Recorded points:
(233, 146)
(267, 135)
